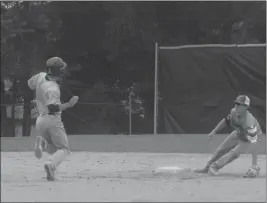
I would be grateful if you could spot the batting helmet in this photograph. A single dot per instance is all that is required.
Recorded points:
(243, 99)
(54, 66)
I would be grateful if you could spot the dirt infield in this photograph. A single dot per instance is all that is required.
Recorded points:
(127, 177)
(113, 171)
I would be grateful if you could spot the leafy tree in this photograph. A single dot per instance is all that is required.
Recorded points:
(27, 30)
(111, 45)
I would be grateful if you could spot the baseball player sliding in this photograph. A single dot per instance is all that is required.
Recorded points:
(246, 133)
(53, 138)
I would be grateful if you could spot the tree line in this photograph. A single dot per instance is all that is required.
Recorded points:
(109, 47)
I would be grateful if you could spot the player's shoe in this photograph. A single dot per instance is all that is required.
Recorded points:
(213, 170)
(38, 151)
(202, 170)
(50, 172)
(252, 172)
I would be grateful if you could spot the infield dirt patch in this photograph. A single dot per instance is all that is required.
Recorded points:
(130, 177)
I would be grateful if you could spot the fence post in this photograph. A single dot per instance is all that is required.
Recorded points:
(130, 113)
(156, 90)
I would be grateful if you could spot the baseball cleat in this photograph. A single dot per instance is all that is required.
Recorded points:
(202, 170)
(213, 170)
(252, 172)
(50, 173)
(38, 151)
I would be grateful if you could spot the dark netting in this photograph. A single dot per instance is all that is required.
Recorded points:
(198, 86)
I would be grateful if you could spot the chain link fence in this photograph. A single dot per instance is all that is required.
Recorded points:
(99, 111)
(84, 118)
(97, 118)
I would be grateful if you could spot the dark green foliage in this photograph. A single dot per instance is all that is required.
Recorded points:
(112, 43)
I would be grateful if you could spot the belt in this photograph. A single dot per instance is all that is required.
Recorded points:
(44, 114)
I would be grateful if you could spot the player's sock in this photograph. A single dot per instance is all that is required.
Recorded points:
(44, 144)
(50, 172)
(217, 155)
(214, 158)
(58, 157)
(226, 159)
(213, 169)
(39, 146)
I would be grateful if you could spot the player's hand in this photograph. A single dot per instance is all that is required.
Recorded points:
(73, 101)
(211, 135)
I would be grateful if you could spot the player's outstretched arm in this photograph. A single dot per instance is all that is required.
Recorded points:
(218, 128)
(221, 125)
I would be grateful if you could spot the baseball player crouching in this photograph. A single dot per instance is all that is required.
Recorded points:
(246, 132)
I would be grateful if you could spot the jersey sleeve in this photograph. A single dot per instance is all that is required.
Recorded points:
(254, 128)
(52, 96)
(32, 82)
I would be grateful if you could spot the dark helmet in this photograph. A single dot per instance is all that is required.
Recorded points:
(55, 66)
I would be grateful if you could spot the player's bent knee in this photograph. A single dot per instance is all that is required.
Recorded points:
(221, 151)
(51, 149)
(66, 149)
(236, 156)
(54, 149)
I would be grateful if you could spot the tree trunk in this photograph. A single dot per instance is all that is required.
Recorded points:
(4, 125)
(13, 103)
(26, 126)
(26, 59)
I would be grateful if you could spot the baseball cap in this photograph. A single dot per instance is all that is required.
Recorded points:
(243, 99)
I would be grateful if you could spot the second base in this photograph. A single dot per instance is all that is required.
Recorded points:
(168, 169)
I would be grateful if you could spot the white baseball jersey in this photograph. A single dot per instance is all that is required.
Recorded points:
(47, 92)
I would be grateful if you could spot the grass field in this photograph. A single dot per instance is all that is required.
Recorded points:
(130, 177)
